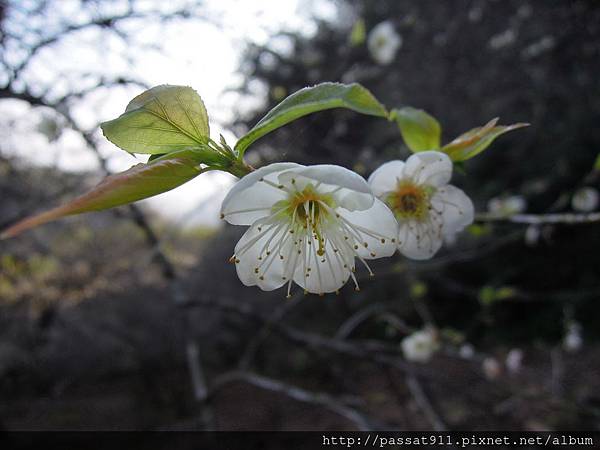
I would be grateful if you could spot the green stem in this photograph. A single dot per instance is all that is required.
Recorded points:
(239, 168)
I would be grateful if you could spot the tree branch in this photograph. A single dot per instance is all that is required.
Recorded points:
(317, 398)
(542, 219)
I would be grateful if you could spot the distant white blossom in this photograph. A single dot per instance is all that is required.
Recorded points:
(307, 225)
(383, 43)
(420, 346)
(532, 235)
(466, 351)
(428, 209)
(514, 359)
(507, 206)
(585, 199)
(573, 340)
(491, 368)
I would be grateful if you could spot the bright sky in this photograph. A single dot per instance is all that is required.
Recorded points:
(197, 54)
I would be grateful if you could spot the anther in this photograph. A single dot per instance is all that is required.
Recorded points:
(222, 216)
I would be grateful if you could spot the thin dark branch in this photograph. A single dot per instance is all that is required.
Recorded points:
(362, 422)
(416, 390)
(375, 352)
(254, 345)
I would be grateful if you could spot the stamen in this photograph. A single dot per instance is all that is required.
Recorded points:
(279, 187)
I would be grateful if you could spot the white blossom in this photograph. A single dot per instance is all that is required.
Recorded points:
(383, 43)
(466, 351)
(573, 340)
(532, 235)
(427, 208)
(420, 346)
(585, 199)
(507, 206)
(307, 225)
(491, 368)
(514, 359)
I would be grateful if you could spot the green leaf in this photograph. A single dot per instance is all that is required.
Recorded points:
(139, 182)
(597, 163)
(156, 156)
(358, 35)
(161, 120)
(474, 141)
(313, 99)
(420, 130)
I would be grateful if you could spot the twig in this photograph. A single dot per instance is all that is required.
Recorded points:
(416, 390)
(369, 351)
(362, 422)
(382, 311)
(542, 219)
(557, 371)
(253, 346)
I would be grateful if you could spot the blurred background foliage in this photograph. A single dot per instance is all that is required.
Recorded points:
(103, 316)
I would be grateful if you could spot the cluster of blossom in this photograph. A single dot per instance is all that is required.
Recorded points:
(309, 224)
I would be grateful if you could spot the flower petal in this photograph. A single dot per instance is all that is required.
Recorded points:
(430, 167)
(418, 240)
(268, 272)
(351, 190)
(327, 273)
(249, 199)
(385, 178)
(457, 209)
(376, 226)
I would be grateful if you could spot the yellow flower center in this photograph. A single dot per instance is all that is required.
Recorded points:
(410, 201)
(306, 209)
